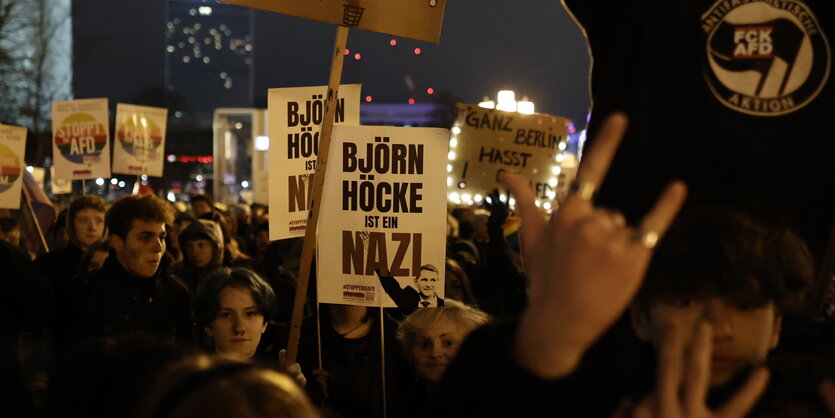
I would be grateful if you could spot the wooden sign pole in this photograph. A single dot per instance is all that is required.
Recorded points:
(316, 196)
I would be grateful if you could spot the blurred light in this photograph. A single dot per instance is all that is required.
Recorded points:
(30, 168)
(170, 48)
(487, 103)
(537, 203)
(393, 42)
(171, 197)
(239, 125)
(178, 114)
(417, 51)
(186, 59)
(198, 177)
(171, 158)
(561, 146)
(507, 101)
(478, 198)
(462, 184)
(456, 130)
(552, 181)
(206, 60)
(525, 106)
(244, 184)
(347, 51)
(449, 168)
(114, 181)
(560, 158)
(451, 155)
(144, 177)
(100, 181)
(411, 101)
(205, 10)
(455, 197)
(449, 181)
(121, 184)
(262, 143)
(368, 99)
(223, 75)
(453, 142)
(547, 205)
(430, 90)
(466, 197)
(503, 198)
(512, 201)
(556, 170)
(552, 194)
(357, 56)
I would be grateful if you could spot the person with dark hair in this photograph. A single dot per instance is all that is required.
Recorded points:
(10, 230)
(57, 235)
(233, 308)
(216, 387)
(202, 205)
(93, 258)
(181, 222)
(202, 246)
(422, 295)
(132, 293)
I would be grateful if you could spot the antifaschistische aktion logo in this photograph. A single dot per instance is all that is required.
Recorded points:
(765, 57)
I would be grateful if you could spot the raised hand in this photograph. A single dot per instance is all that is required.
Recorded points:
(585, 264)
(682, 385)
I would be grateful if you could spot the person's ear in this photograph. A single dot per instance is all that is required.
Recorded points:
(264, 327)
(209, 331)
(640, 322)
(775, 331)
(116, 242)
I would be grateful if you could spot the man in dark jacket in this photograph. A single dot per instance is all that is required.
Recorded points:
(131, 293)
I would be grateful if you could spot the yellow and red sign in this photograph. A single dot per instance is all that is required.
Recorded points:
(81, 139)
(140, 140)
(12, 147)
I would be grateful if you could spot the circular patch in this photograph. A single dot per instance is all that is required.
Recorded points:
(81, 138)
(765, 58)
(139, 136)
(10, 168)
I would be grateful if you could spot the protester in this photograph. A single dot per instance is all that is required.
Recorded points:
(202, 205)
(457, 284)
(430, 339)
(204, 387)
(132, 293)
(93, 258)
(181, 222)
(85, 225)
(201, 244)
(10, 230)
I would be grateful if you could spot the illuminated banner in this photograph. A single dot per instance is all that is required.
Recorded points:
(486, 141)
(12, 147)
(383, 209)
(80, 139)
(295, 118)
(415, 19)
(140, 140)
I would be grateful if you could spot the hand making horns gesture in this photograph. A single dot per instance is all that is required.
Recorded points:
(584, 265)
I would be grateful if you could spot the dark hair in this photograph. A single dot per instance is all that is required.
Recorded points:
(184, 217)
(119, 218)
(204, 198)
(98, 246)
(86, 201)
(206, 301)
(722, 251)
(8, 224)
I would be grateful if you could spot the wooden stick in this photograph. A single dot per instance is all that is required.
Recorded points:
(316, 196)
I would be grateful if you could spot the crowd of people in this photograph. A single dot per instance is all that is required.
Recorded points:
(152, 311)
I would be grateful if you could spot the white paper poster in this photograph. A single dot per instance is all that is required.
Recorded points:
(139, 147)
(383, 209)
(12, 148)
(59, 186)
(81, 139)
(295, 118)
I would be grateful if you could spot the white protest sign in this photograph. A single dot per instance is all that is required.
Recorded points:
(295, 118)
(140, 140)
(383, 208)
(12, 148)
(59, 186)
(81, 139)
(419, 19)
(486, 142)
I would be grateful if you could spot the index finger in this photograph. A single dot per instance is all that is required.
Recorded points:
(598, 158)
(661, 215)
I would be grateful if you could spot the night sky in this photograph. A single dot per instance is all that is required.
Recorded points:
(530, 46)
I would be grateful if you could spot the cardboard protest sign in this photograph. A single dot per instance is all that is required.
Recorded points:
(419, 19)
(81, 139)
(59, 186)
(384, 209)
(295, 117)
(140, 140)
(12, 148)
(486, 142)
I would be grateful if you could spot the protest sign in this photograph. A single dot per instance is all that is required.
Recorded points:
(80, 139)
(59, 186)
(383, 208)
(12, 147)
(486, 141)
(140, 140)
(295, 117)
(419, 20)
